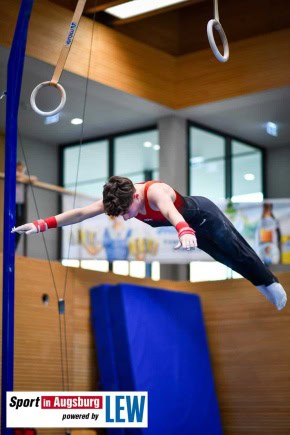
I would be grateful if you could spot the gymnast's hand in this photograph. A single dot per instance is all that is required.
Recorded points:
(187, 241)
(29, 228)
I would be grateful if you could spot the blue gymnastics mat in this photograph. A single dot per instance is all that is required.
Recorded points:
(154, 340)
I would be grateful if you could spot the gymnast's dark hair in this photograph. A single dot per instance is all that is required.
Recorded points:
(118, 195)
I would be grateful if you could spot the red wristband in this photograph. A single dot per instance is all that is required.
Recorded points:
(51, 222)
(181, 225)
(184, 228)
(40, 225)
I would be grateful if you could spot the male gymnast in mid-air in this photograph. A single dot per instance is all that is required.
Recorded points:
(198, 221)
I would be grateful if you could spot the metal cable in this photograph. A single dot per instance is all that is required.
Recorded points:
(64, 352)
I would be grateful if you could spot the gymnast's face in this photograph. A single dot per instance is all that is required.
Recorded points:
(133, 210)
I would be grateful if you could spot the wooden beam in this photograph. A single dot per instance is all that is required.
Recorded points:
(256, 64)
(104, 4)
(116, 60)
(121, 22)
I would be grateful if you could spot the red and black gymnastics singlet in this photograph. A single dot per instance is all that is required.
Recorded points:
(155, 218)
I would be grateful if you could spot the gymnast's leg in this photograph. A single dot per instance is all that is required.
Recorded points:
(220, 239)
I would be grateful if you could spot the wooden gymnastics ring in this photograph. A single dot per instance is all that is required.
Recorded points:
(217, 25)
(60, 64)
(35, 92)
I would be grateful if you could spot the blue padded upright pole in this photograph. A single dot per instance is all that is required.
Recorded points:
(14, 79)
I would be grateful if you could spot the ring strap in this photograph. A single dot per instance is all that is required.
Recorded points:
(66, 48)
(216, 10)
(60, 65)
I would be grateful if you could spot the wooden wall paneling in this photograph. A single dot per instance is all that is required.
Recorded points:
(161, 32)
(248, 342)
(255, 64)
(37, 337)
(124, 64)
(117, 61)
(248, 345)
(85, 373)
(240, 20)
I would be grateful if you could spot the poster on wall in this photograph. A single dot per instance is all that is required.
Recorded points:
(266, 227)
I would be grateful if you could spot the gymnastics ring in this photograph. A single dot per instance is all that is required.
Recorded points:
(35, 92)
(210, 25)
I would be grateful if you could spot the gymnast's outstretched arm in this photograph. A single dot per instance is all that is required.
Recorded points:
(159, 196)
(66, 218)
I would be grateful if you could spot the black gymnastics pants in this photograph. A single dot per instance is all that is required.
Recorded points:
(218, 237)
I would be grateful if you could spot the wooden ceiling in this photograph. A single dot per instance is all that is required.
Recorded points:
(181, 29)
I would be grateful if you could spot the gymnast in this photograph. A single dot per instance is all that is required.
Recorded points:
(198, 221)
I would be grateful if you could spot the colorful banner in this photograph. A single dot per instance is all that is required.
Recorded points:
(266, 227)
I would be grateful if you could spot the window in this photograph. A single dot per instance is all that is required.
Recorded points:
(87, 166)
(221, 167)
(136, 155)
(207, 164)
(246, 173)
(207, 271)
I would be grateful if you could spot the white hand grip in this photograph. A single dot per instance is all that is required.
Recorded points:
(217, 25)
(35, 92)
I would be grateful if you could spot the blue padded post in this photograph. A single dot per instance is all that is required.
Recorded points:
(14, 79)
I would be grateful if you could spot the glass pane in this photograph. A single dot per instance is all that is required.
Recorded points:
(138, 269)
(155, 271)
(93, 163)
(137, 178)
(239, 148)
(208, 179)
(98, 265)
(207, 164)
(95, 190)
(246, 173)
(205, 145)
(136, 154)
(121, 267)
(207, 271)
(70, 263)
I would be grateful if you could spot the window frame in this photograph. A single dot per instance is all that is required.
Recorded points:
(111, 164)
(228, 157)
(228, 164)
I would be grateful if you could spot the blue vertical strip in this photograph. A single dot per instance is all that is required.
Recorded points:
(14, 79)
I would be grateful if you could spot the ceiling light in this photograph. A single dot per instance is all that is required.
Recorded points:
(249, 177)
(147, 144)
(138, 7)
(272, 129)
(156, 147)
(51, 119)
(76, 121)
(196, 160)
